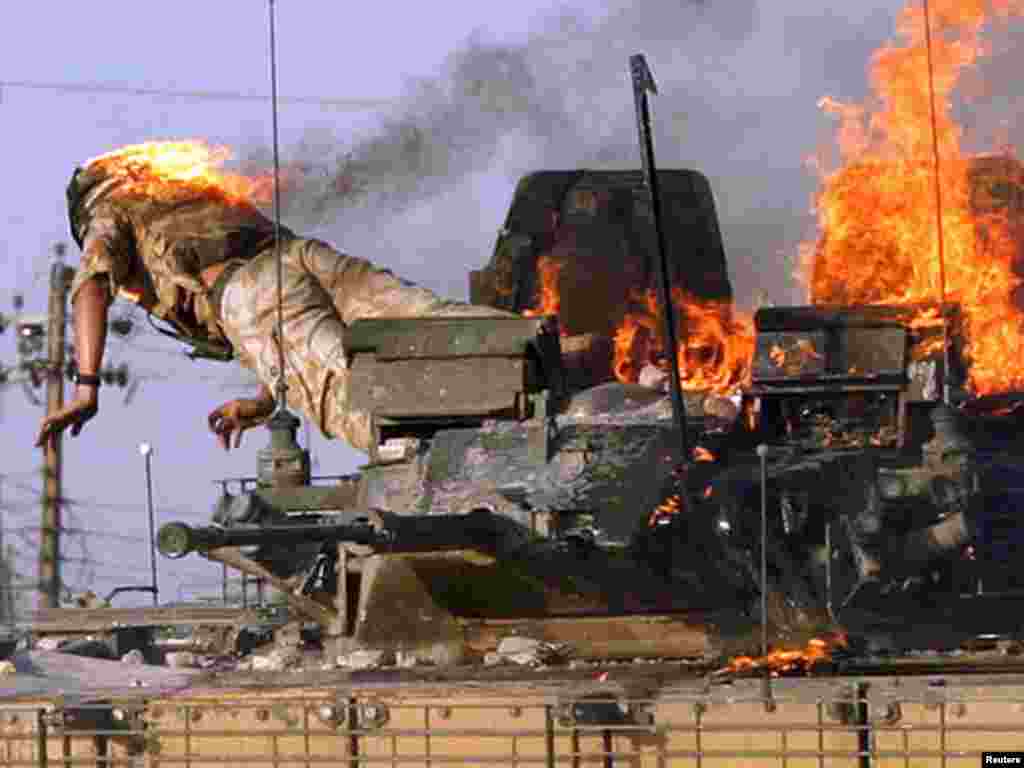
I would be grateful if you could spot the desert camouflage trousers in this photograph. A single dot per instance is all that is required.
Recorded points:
(323, 291)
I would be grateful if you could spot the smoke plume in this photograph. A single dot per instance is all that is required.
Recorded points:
(426, 190)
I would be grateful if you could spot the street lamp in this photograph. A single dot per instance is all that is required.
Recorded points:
(147, 453)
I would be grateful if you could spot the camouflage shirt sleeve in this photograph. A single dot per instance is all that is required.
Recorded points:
(106, 250)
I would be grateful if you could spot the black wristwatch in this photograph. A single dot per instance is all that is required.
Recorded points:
(89, 379)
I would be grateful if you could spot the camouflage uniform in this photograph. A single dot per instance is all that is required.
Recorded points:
(155, 251)
(323, 291)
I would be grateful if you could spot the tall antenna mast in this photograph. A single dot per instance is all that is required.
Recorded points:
(947, 357)
(283, 463)
(281, 386)
(643, 81)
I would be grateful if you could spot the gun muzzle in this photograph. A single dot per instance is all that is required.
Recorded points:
(176, 540)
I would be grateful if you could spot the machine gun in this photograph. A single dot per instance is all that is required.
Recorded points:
(378, 532)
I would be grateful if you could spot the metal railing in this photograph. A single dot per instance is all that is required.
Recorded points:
(598, 730)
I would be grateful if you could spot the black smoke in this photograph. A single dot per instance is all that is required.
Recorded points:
(425, 191)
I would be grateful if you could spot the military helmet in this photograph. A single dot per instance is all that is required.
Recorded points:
(83, 182)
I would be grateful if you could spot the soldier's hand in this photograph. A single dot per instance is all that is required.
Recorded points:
(75, 414)
(235, 416)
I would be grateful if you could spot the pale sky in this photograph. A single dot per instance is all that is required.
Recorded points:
(739, 81)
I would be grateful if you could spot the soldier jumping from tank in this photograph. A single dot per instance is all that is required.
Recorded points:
(203, 261)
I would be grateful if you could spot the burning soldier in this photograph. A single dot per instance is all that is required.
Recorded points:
(160, 225)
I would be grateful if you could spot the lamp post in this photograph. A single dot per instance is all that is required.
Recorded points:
(147, 453)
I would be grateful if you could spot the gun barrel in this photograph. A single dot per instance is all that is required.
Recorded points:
(480, 530)
(176, 540)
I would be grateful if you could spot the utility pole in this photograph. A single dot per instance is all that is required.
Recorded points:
(6, 571)
(49, 545)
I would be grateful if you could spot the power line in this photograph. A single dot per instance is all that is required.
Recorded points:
(197, 95)
(101, 566)
(79, 531)
(106, 506)
(27, 507)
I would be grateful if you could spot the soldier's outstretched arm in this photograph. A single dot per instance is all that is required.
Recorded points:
(235, 416)
(91, 304)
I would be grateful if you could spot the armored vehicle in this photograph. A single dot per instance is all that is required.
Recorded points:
(514, 476)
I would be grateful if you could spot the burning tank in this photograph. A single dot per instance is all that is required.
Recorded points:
(521, 470)
(852, 461)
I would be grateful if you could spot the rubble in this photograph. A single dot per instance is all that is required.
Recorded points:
(181, 660)
(277, 660)
(526, 652)
(1010, 647)
(134, 656)
(89, 599)
(365, 658)
(406, 660)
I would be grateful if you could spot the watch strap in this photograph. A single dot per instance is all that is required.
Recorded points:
(89, 379)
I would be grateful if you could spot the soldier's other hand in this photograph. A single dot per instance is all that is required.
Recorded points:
(75, 414)
(235, 416)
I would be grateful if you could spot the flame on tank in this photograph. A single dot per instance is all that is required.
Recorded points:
(670, 507)
(548, 300)
(789, 661)
(716, 343)
(700, 453)
(878, 237)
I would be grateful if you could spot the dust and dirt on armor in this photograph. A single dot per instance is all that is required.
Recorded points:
(205, 263)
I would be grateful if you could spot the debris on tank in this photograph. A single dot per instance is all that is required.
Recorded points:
(134, 656)
(277, 660)
(365, 658)
(181, 660)
(527, 652)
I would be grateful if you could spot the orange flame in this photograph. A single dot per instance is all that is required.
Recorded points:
(632, 346)
(168, 169)
(878, 239)
(673, 505)
(700, 453)
(716, 344)
(549, 301)
(796, 357)
(789, 662)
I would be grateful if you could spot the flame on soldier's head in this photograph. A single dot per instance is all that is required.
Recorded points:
(171, 169)
(879, 242)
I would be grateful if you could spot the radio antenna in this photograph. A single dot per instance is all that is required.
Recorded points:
(283, 463)
(281, 387)
(643, 81)
(946, 353)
